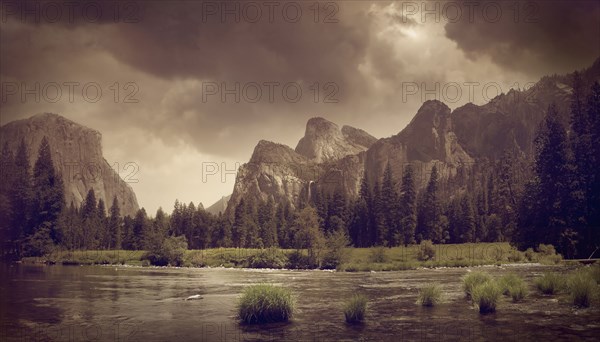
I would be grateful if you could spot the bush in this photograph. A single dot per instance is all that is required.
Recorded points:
(471, 280)
(546, 249)
(531, 255)
(378, 255)
(582, 289)
(486, 296)
(336, 252)
(299, 261)
(355, 309)
(553, 259)
(515, 256)
(268, 258)
(425, 251)
(265, 303)
(550, 283)
(170, 252)
(430, 295)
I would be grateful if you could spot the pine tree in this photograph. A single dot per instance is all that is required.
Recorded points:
(48, 196)
(103, 236)
(379, 230)
(20, 196)
(408, 207)
(552, 169)
(238, 231)
(390, 208)
(6, 180)
(89, 218)
(430, 225)
(140, 230)
(115, 225)
(590, 233)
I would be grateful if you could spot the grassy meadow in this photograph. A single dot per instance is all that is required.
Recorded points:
(355, 260)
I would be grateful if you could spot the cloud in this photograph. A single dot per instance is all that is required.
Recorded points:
(535, 37)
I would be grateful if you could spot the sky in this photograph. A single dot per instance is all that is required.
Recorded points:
(184, 90)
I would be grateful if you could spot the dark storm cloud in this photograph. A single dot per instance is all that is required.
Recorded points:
(530, 36)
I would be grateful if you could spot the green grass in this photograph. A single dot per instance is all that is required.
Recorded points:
(430, 295)
(485, 296)
(355, 309)
(358, 259)
(513, 286)
(265, 303)
(582, 288)
(550, 283)
(473, 279)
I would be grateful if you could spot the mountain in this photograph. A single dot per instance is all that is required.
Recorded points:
(323, 141)
(328, 158)
(219, 206)
(77, 156)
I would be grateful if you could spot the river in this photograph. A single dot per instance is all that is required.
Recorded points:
(108, 303)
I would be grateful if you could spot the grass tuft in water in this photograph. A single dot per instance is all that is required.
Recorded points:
(355, 309)
(265, 303)
(550, 283)
(512, 285)
(485, 296)
(582, 288)
(473, 279)
(430, 295)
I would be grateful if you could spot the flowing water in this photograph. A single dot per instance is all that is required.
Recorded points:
(108, 303)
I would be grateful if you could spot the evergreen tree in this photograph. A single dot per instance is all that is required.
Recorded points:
(103, 236)
(552, 169)
(115, 225)
(390, 208)
(408, 208)
(6, 180)
(238, 231)
(48, 196)
(20, 196)
(89, 220)
(379, 230)
(431, 227)
(140, 230)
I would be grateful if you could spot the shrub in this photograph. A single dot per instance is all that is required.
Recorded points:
(169, 252)
(430, 295)
(553, 259)
(336, 252)
(546, 249)
(265, 303)
(582, 288)
(550, 283)
(300, 261)
(378, 255)
(515, 256)
(268, 258)
(471, 280)
(486, 296)
(425, 251)
(531, 255)
(355, 309)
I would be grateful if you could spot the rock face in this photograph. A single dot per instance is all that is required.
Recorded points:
(328, 158)
(324, 141)
(77, 156)
(219, 206)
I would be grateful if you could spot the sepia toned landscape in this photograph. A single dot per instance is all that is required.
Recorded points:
(300, 170)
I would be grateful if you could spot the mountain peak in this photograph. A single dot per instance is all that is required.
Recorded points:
(324, 141)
